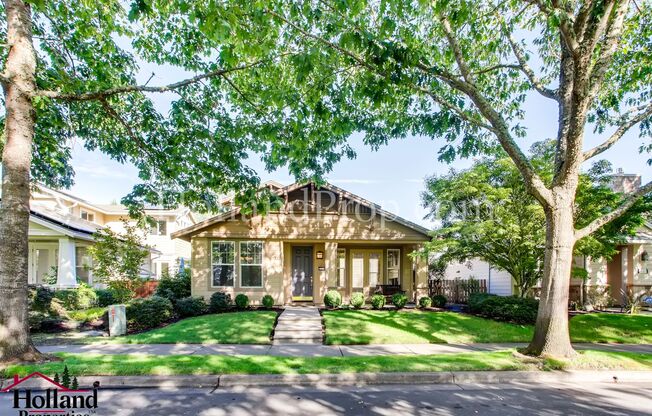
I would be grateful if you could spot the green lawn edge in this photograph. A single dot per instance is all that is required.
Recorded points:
(359, 327)
(158, 365)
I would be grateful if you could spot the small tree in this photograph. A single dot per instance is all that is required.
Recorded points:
(118, 258)
(486, 212)
(65, 377)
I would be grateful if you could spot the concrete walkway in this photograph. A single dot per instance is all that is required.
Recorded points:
(298, 325)
(314, 350)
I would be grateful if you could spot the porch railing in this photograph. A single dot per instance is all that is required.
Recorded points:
(458, 290)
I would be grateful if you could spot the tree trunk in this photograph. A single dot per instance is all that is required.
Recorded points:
(15, 342)
(551, 336)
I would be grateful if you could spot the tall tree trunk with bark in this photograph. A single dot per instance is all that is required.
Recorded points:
(15, 342)
(551, 336)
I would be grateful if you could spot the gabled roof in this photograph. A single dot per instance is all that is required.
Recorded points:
(186, 232)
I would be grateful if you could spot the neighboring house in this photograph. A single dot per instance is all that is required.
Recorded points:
(62, 228)
(323, 238)
(629, 270)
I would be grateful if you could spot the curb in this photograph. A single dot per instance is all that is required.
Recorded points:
(353, 379)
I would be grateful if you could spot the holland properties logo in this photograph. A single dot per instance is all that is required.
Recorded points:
(54, 400)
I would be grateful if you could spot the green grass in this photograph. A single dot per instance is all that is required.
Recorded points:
(603, 327)
(140, 364)
(252, 327)
(417, 327)
(87, 315)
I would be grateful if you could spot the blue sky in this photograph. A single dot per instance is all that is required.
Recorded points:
(392, 176)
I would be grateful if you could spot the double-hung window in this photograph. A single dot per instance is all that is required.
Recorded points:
(251, 264)
(341, 267)
(223, 263)
(393, 266)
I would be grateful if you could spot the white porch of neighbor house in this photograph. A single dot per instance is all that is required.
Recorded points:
(58, 254)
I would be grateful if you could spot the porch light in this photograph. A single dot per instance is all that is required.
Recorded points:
(320, 254)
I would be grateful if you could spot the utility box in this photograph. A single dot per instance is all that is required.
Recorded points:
(117, 320)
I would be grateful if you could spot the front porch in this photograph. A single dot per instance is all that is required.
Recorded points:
(310, 269)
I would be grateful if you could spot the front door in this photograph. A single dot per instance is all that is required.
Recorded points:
(302, 273)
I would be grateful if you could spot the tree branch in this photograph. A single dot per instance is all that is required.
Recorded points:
(527, 70)
(618, 134)
(140, 88)
(630, 200)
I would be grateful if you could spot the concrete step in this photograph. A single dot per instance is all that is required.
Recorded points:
(300, 333)
(310, 320)
(295, 341)
(298, 326)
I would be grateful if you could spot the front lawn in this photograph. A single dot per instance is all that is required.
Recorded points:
(251, 327)
(417, 327)
(605, 327)
(140, 364)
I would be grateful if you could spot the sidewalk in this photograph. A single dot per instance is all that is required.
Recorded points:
(315, 350)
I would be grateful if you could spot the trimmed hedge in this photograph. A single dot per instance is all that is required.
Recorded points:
(149, 312)
(476, 299)
(82, 297)
(357, 300)
(399, 300)
(220, 301)
(509, 309)
(267, 301)
(40, 298)
(190, 306)
(425, 302)
(242, 301)
(332, 299)
(439, 301)
(174, 287)
(105, 297)
(377, 301)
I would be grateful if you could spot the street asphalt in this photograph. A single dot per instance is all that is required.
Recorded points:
(446, 399)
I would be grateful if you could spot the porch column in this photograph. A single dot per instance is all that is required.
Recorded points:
(330, 264)
(66, 273)
(624, 258)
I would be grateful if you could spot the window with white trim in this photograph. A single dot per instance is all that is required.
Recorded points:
(357, 270)
(87, 215)
(223, 263)
(374, 269)
(251, 264)
(159, 227)
(393, 265)
(341, 267)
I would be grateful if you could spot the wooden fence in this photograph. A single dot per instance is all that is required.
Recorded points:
(458, 290)
(147, 289)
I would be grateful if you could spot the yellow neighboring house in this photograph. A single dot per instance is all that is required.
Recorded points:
(62, 227)
(323, 238)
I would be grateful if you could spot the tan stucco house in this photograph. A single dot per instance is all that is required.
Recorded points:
(322, 238)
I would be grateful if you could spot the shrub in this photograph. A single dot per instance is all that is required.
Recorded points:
(220, 301)
(83, 297)
(190, 306)
(40, 298)
(267, 301)
(105, 297)
(357, 300)
(399, 300)
(174, 287)
(123, 291)
(332, 299)
(439, 301)
(242, 301)
(149, 312)
(476, 299)
(377, 301)
(425, 302)
(509, 309)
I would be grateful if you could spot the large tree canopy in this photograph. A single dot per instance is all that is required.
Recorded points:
(485, 212)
